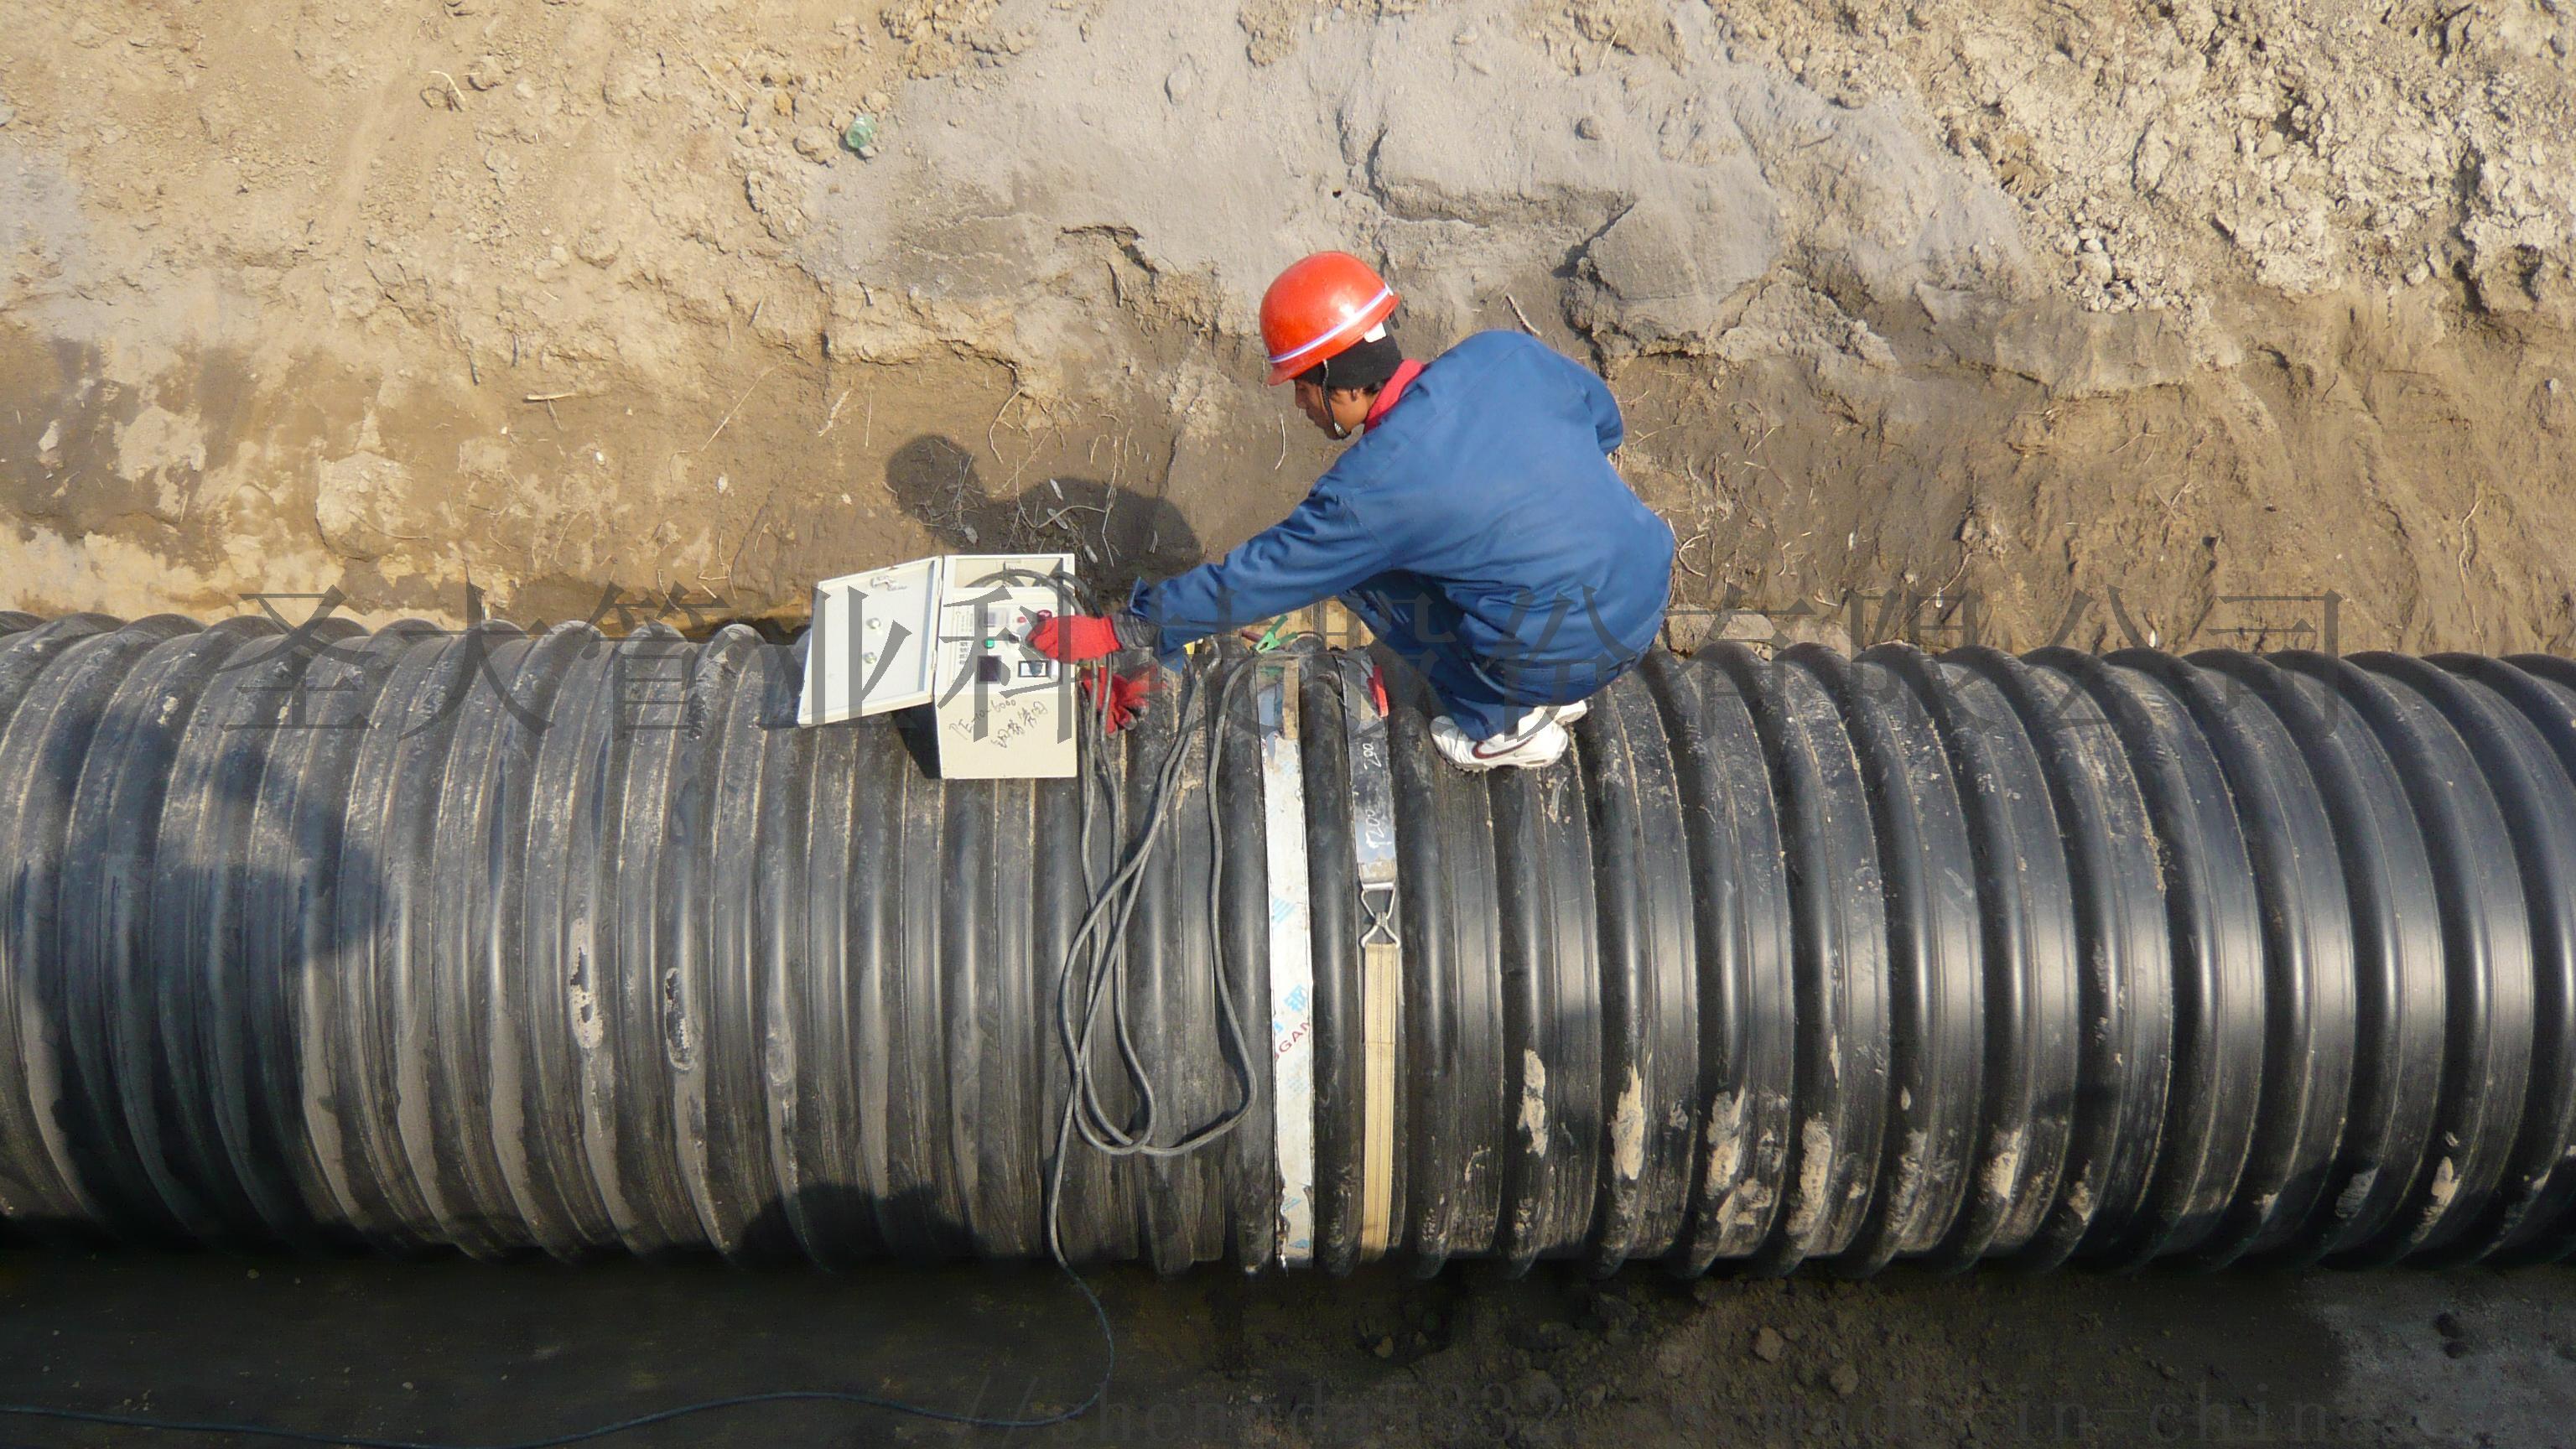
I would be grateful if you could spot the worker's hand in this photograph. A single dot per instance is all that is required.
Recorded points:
(1074, 638)
(1120, 697)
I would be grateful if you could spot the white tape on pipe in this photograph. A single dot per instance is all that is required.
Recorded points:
(1292, 969)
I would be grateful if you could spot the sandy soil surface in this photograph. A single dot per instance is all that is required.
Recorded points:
(2040, 305)
(2181, 322)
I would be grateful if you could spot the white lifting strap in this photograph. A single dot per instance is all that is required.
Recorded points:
(1292, 969)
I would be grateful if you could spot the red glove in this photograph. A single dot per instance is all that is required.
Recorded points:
(1074, 639)
(1377, 689)
(1122, 696)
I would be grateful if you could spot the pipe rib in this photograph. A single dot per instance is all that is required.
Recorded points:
(506, 942)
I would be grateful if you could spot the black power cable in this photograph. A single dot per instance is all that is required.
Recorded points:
(1095, 966)
(1097, 958)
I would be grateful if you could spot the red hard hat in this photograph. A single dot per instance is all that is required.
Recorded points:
(1318, 308)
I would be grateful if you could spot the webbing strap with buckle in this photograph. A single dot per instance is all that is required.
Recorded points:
(1381, 950)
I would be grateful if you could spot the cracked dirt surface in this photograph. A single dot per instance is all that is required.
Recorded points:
(2072, 322)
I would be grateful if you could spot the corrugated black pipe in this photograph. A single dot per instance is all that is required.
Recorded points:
(559, 942)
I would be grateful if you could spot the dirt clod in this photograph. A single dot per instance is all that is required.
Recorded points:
(1537, 1394)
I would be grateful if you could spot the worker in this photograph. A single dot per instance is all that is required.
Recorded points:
(1476, 525)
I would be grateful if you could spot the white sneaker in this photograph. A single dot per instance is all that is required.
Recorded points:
(1566, 714)
(1528, 749)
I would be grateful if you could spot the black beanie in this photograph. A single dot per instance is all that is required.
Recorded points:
(1362, 365)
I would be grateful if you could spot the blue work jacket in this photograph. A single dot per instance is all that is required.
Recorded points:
(1488, 483)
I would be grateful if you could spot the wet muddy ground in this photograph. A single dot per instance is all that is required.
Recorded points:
(473, 1353)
